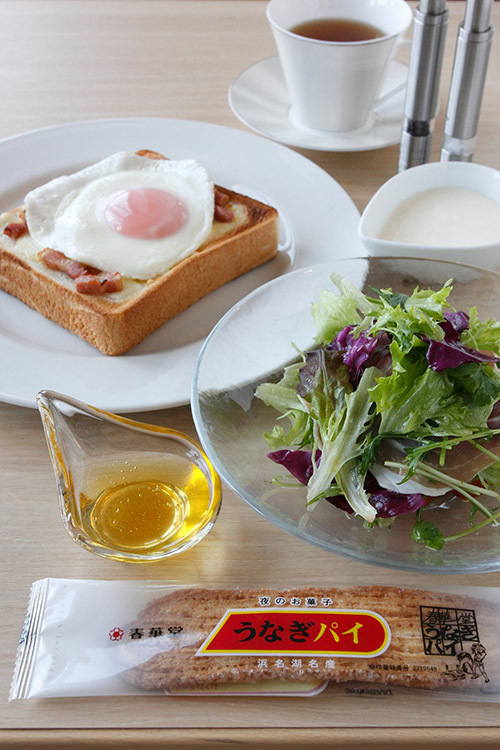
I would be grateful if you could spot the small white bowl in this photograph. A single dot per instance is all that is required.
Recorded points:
(414, 181)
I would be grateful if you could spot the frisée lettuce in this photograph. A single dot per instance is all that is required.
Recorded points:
(398, 403)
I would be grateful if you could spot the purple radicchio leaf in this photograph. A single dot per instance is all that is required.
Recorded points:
(454, 324)
(362, 351)
(299, 464)
(450, 353)
(388, 503)
(442, 355)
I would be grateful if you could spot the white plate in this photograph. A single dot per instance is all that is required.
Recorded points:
(320, 222)
(259, 98)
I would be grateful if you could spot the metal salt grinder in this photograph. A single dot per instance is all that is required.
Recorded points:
(424, 71)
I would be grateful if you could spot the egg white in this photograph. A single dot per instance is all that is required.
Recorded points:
(65, 214)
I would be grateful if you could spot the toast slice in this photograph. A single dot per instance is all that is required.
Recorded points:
(115, 322)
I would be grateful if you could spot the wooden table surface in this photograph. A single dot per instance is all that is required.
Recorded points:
(67, 60)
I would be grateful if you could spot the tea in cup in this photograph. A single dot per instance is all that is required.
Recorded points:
(334, 55)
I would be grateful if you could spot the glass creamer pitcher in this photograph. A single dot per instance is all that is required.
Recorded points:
(128, 491)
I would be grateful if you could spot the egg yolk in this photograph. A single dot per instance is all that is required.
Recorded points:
(145, 213)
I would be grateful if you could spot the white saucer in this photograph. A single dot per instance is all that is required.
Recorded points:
(260, 99)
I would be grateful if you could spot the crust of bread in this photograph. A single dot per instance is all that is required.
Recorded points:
(113, 327)
(173, 664)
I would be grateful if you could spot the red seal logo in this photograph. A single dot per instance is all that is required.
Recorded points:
(116, 634)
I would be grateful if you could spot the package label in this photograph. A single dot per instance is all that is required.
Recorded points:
(298, 631)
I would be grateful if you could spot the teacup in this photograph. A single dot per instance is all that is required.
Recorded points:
(334, 84)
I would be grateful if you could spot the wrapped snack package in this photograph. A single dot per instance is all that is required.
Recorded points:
(133, 637)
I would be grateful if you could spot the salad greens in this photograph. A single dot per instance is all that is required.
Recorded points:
(398, 405)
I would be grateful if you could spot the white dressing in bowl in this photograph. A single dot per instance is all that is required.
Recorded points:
(442, 210)
(444, 216)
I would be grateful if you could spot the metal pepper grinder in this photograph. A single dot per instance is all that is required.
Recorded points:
(430, 24)
(472, 52)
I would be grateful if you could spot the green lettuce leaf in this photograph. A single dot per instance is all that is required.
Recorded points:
(332, 312)
(411, 395)
(283, 397)
(350, 480)
(418, 315)
(344, 440)
(484, 336)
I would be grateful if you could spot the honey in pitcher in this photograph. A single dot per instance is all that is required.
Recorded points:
(142, 503)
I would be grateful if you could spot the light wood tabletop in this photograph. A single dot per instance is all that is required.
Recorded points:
(71, 60)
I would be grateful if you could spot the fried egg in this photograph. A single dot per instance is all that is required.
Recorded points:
(126, 213)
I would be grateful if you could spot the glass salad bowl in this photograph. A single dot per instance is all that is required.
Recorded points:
(402, 388)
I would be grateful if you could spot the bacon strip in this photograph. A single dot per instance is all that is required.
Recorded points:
(221, 210)
(88, 280)
(59, 262)
(102, 283)
(221, 213)
(221, 198)
(16, 229)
